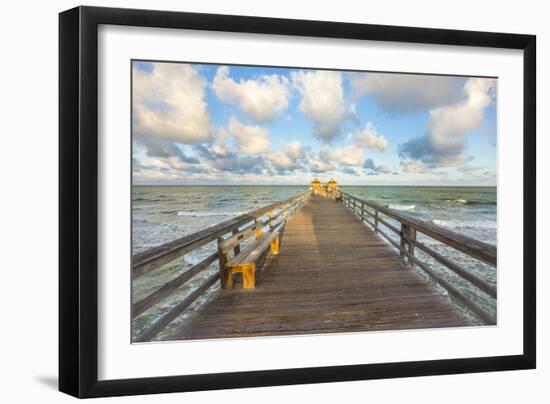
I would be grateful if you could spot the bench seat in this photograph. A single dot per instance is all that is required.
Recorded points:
(245, 261)
(252, 252)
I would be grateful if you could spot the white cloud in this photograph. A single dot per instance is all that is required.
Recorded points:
(346, 156)
(444, 144)
(449, 124)
(260, 99)
(317, 165)
(165, 165)
(374, 169)
(169, 102)
(250, 139)
(371, 139)
(294, 150)
(414, 167)
(290, 158)
(219, 143)
(405, 92)
(322, 101)
(282, 162)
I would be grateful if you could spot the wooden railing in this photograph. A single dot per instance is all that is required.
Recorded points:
(147, 261)
(375, 215)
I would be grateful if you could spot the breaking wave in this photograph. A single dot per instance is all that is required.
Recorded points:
(457, 201)
(208, 214)
(402, 207)
(470, 224)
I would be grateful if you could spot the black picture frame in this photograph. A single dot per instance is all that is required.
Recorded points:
(78, 200)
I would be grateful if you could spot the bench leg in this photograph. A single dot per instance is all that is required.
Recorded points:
(227, 278)
(249, 275)
(275, 246)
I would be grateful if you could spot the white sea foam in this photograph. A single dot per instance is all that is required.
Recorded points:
(472, 224)
(458, 201)
(208, 214)
(402, 207)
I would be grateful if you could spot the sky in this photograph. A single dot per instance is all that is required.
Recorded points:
(218, 124)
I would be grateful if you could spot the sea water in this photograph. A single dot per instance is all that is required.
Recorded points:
(163, 213)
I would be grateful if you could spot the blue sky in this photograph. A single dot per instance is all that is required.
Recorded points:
(215, 124)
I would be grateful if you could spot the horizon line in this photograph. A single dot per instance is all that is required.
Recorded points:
(307, 185)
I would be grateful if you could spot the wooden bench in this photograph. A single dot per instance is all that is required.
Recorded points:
(244, 261)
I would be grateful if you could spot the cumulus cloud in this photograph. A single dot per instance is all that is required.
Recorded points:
(370, 139)
(444, 143)
(348, 170)
(470, 168)
(219, 142)
(291, 158)
(406, 92)
(374, 169)
(449, 124)
(231, 161)
(322, 101)
(250, 139)
(352, 155)
(414, 167)
(294, 150)
(240, 164)
(159, 147)
(346, 156)
(169, 102)
(260, 99)
(164, 167)
(282, 162)
(317, 165)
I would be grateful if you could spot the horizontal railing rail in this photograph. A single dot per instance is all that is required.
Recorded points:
(373, 214)
(147, 261)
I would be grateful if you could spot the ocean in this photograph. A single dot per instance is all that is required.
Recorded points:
(163, 213)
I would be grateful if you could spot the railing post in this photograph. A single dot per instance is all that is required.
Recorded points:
(376, 220)
(408, 237)
(237, 248)
(362, 211)
(412, 239)
(226, 281)
(403, 241)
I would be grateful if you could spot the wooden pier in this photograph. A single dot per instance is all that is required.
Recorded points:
(336, 271)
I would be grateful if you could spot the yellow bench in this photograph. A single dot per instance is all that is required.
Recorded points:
(244, 261)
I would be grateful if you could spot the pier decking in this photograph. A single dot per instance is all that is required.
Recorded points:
(333, 274)
(333, 267)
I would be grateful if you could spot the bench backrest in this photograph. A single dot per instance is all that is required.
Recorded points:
(225, 245)
(276, 218)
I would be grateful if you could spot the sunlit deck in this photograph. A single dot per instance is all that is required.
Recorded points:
(323, 261)
(333, 274)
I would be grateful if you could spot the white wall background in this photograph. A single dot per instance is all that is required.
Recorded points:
(28, 167)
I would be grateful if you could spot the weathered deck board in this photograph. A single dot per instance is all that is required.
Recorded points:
(333, 274)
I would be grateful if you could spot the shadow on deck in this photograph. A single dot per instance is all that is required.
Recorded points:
(333, 274)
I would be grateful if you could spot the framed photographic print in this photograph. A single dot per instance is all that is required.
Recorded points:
(251, 201)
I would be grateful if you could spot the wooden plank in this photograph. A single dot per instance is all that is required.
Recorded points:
(238, 237)
(334, 274)
(487, 318)
(252, 252)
